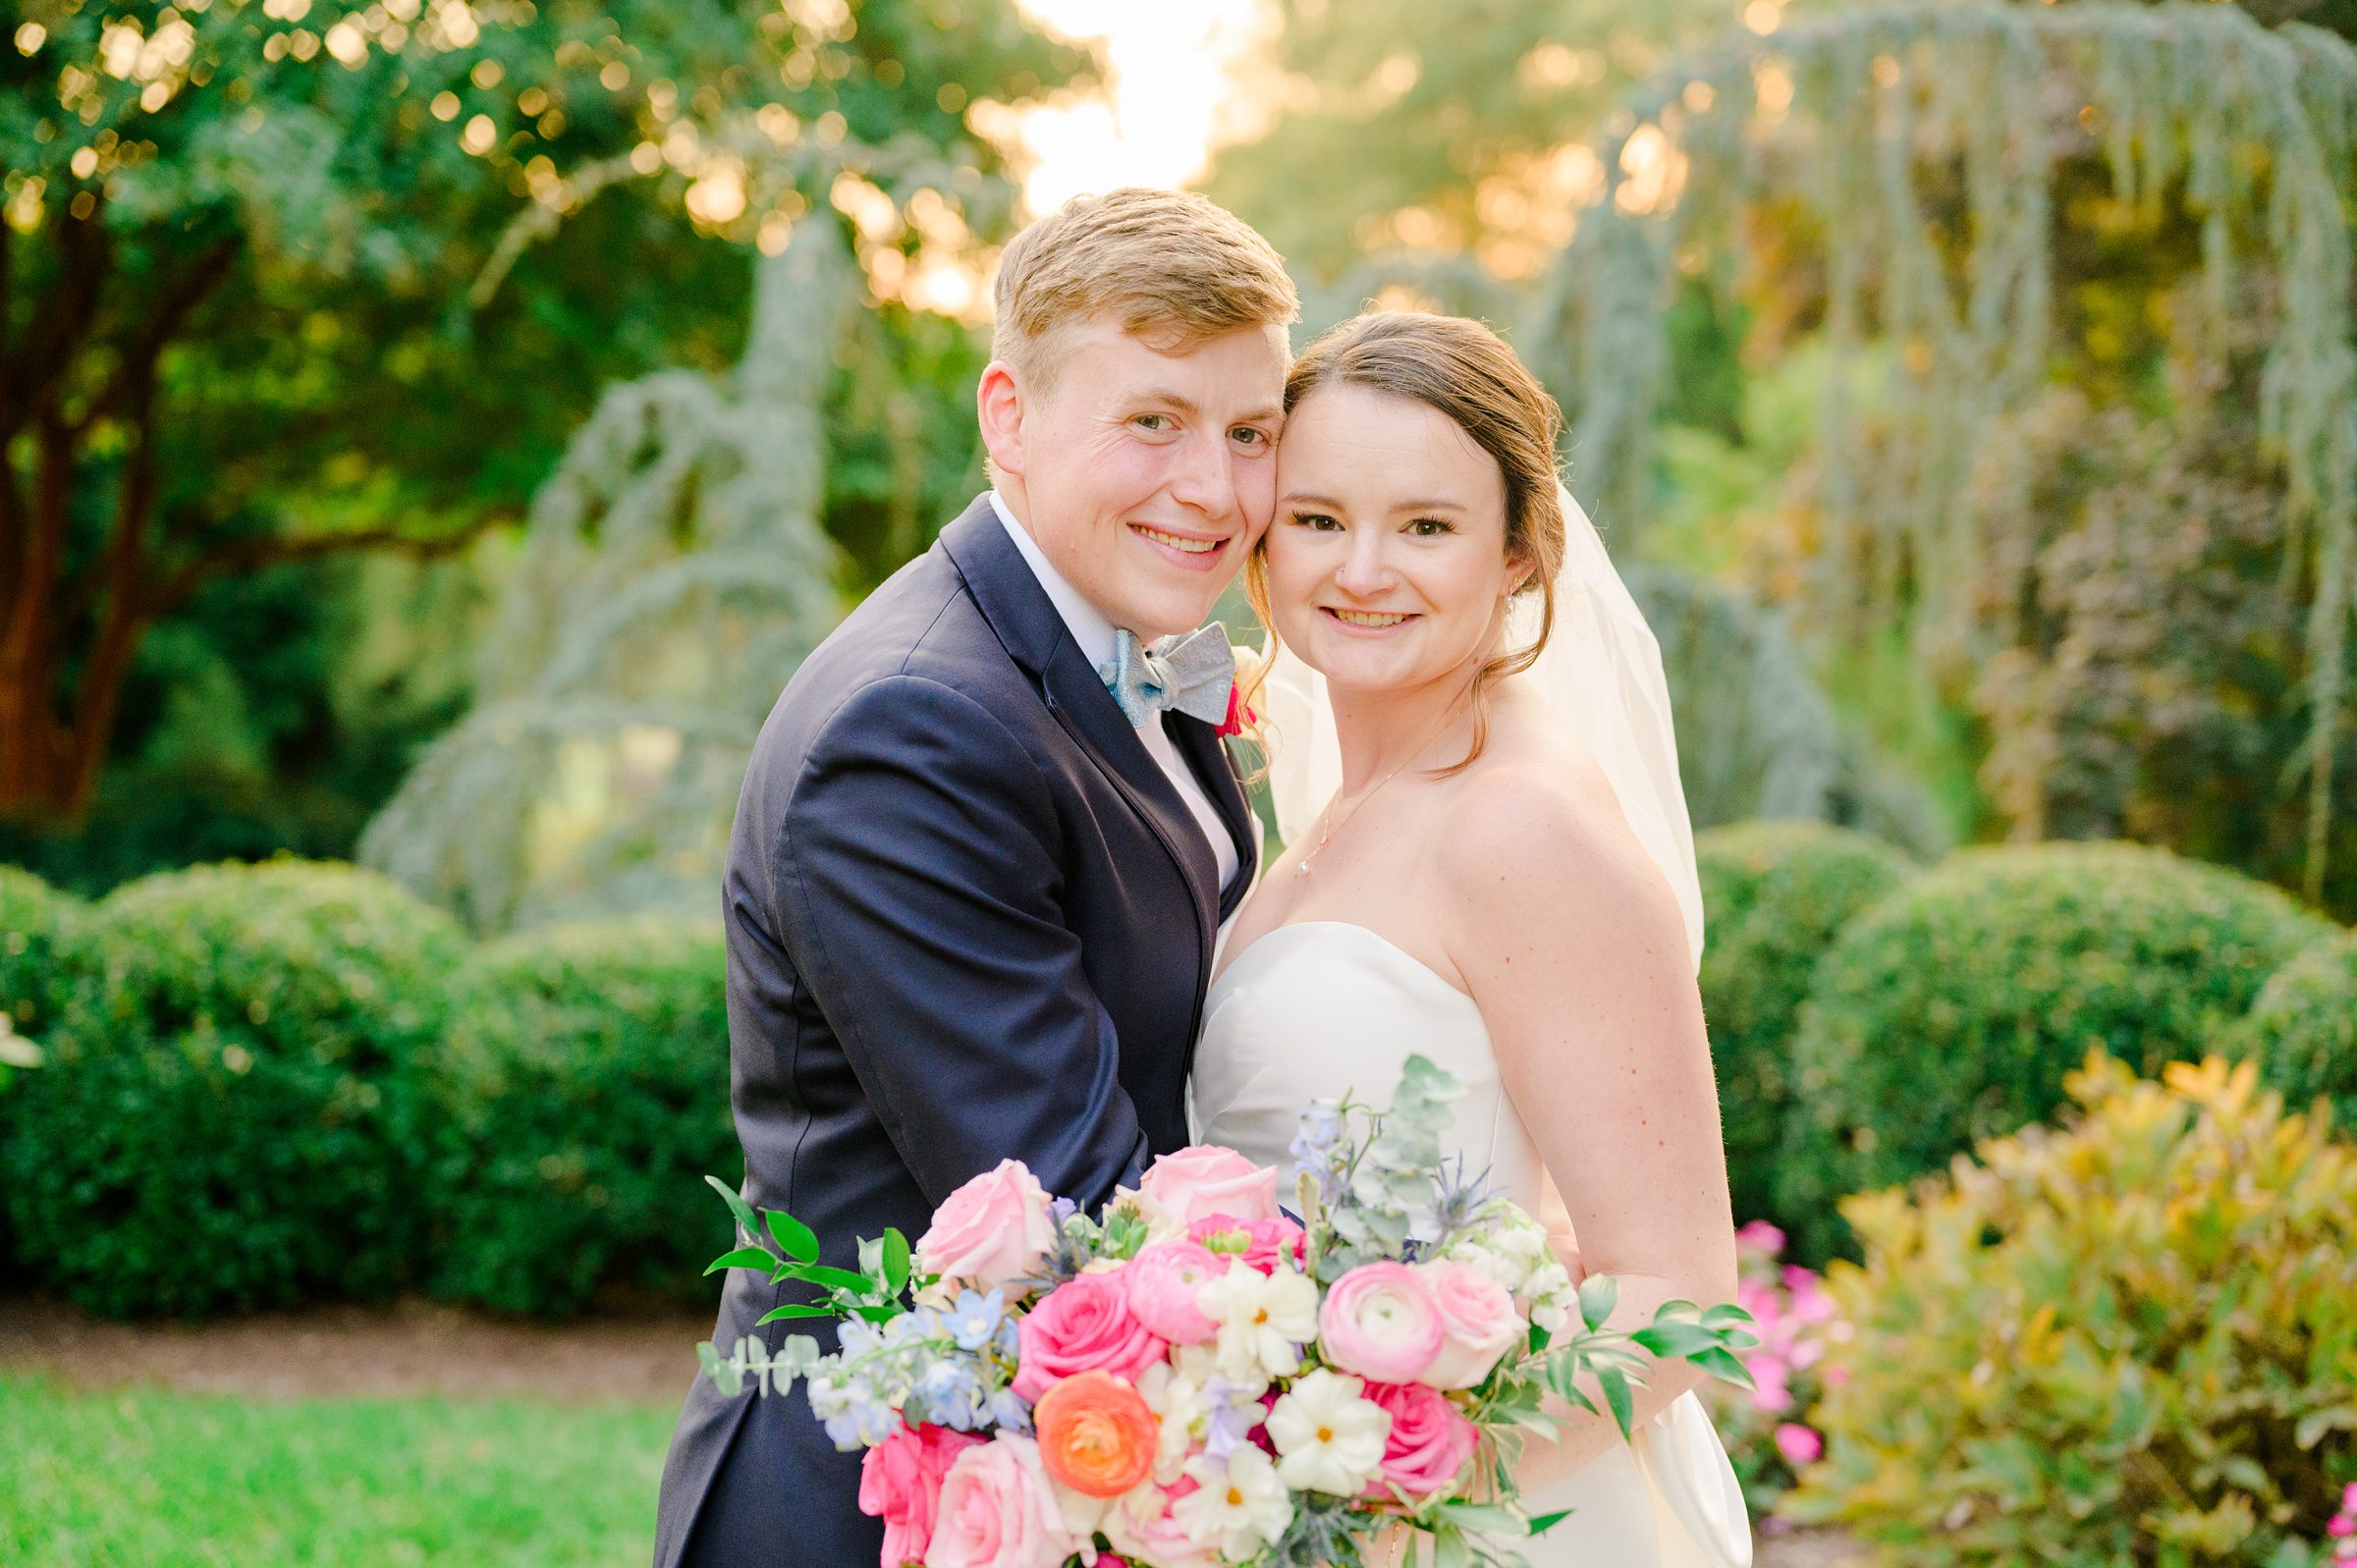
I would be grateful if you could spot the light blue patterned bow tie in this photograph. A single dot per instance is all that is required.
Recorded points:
(1192, 672)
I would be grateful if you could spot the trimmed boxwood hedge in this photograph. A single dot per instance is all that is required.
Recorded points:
(1774, 893)
(2302, 1031)
(40, 935)
(229, 1115)
(1952, 1009)
(582, 1099)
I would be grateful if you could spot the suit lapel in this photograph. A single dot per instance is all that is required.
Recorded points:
(1035, 636)
(1199, 743)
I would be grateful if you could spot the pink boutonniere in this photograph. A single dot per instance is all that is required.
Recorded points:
(1241, 716)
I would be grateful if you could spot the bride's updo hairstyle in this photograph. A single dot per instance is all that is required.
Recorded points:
(1466, 372)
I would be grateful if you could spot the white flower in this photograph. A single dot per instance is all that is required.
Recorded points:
(1173, 1391)
(1238, 1507)
(1331, 1439)
(1551, 1296)
(1262, 1318)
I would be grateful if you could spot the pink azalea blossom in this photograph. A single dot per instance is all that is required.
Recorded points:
(1799, 1444)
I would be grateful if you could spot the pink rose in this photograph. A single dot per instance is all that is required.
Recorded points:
(1162, 1281)
(1430, 1438)
(899, 1481)
(1380, 1322)
(1084, 1324)
(1800, 1446)
(997, 1510)
(993, 1229)
(1264, 1239)
(1206, 1180)
(1478, 1324)
(1762, 1237)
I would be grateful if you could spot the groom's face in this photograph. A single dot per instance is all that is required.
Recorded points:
(1146, 477)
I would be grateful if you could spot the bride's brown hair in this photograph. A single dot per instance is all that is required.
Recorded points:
(1462, 369)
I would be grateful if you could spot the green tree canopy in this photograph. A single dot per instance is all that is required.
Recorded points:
(286, 280)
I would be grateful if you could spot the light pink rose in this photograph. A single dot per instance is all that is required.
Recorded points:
(993, 1229)
(1161, 1282)
(1204, 1180)
(1762, 1237)
(900, 1482)
(1429, 1438)
(1081, 1325)
(1380, 1322)
(997, 1510)
(1478, 1324)
(1266, 1239)
(1800, 1446)
(1151, 1535)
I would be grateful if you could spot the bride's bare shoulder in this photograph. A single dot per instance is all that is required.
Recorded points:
(1533, 815)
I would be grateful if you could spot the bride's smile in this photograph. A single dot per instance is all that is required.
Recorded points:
(1386, 565)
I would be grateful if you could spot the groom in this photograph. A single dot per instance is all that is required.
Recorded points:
(985, 841)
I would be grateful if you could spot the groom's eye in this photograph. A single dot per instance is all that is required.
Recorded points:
(1157, 422)
(1251, 436)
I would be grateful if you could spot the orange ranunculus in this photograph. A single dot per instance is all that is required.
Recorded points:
(1096, 1435)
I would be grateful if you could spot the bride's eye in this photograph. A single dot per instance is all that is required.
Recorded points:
(1430, 527)
(1316, 521)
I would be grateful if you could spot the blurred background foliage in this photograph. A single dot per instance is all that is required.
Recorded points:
(1971, 377)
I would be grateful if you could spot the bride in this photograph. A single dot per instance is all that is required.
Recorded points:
(1501, 879)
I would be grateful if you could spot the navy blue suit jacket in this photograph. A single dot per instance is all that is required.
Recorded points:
(969, 919)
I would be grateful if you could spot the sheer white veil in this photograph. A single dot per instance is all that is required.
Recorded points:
(1601, 672)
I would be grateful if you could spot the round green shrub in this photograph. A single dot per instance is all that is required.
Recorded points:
(2126, 1343)
(583, 1099)
(2302, 1031)
(40, 934)
(1952, 1009)
(39, 943)
(229, 1115)
(1774, 894)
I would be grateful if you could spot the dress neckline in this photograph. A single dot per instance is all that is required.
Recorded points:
(1269, 937)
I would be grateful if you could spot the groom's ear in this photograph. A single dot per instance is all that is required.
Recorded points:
(999, 409)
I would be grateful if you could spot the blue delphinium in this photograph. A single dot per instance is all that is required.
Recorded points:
(854, 1418)
(1312, 1148)
(973, 1318)
(950, 1392)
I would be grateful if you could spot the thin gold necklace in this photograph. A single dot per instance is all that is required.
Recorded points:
(1326, 817)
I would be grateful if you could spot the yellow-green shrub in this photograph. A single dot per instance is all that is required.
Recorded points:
(2132, 1341)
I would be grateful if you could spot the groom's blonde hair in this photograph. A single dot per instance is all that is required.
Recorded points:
(1172, 268)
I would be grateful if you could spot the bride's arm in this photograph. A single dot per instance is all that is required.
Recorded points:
(1575, 949)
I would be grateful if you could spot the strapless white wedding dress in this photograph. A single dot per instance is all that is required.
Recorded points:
(1320, 1009)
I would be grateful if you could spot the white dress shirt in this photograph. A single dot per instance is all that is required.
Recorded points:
(1095, 635)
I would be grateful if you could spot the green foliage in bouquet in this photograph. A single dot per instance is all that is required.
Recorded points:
(585, 1082)
(1776, 895)
(1952, 1009)
(229, 1115)
(2133, 1341)
(2302, 1031)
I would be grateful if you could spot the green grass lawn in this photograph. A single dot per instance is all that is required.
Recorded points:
(163, 1480)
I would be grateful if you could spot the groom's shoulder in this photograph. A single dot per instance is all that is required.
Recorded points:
(916, 652)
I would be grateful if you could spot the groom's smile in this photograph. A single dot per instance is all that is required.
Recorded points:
(1144, 469)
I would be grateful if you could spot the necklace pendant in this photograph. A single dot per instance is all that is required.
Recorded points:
(1301, 870)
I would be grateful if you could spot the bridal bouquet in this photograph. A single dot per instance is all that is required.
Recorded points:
(1193, 1379)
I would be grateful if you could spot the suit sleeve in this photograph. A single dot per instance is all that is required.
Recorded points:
(919, 874)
